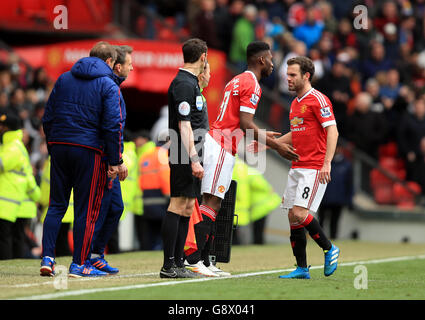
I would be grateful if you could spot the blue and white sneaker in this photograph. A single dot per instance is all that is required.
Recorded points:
(331, 260)
(298, 273)
(84, 270)
(47, 267)
(101, 264)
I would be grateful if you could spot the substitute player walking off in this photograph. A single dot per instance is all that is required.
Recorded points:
(314, 136)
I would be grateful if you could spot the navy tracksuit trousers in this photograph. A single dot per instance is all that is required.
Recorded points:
(98, 203)
(80, 169)
(111, 211)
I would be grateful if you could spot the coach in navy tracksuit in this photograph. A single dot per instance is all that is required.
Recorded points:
(83, 121)
(112, 203)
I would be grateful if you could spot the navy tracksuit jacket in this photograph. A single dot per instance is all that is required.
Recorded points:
(83, 122)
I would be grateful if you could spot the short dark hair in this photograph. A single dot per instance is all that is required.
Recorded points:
(306, 65)
(103, 50)
(122, 52)
(193, 49)
(254, 48)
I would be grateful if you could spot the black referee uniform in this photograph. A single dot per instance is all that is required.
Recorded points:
(185, 103)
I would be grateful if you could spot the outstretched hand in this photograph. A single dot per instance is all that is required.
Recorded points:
(287, 151)
(256, 146)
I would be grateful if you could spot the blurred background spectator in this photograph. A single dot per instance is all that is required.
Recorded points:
(339, 192)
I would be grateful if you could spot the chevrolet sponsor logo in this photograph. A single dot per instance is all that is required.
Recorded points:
(297, 121)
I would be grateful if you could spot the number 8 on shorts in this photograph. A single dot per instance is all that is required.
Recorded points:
(303, 189)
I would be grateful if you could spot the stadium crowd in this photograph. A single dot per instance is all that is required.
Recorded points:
(374, 76)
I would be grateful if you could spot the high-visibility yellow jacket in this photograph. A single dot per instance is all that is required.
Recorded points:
(28, 208)
(13, 180)
(243, 197)
(138, 200)
(263, 198)
(255, 197)
(45, 195)
(129, 186)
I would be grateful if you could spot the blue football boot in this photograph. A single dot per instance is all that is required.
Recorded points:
(84, 270)
(331, 260)
(298, 273)
(101, 264)
(47, 267)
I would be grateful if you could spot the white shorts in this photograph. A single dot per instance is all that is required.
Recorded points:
(218, 168)
(303, 189)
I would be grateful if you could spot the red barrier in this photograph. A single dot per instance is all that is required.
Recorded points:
(155, 65)
(84, 16)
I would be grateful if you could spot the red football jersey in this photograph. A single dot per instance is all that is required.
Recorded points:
(242, 93)
(309, 116)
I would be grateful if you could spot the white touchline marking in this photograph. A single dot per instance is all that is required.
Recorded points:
(176, 282)
(35, 284)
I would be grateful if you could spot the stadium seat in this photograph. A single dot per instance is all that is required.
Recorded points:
(388, 163)
(378, 179)
(383, 194)
(403, 197)
(388, 150)
(382, 187)
(395, 166)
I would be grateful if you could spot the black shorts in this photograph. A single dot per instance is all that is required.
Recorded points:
(182, 182)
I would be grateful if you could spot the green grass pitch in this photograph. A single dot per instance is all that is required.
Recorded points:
(384, 272)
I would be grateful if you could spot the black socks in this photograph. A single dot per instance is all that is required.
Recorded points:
(299, 243)
(181, 240)
(202, 233)
(317, 234)
(169, 233)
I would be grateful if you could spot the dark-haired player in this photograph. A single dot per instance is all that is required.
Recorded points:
(187, 115)
(314, 135)
(236, 114)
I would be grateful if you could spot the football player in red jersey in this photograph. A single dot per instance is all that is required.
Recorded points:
(314, 135)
